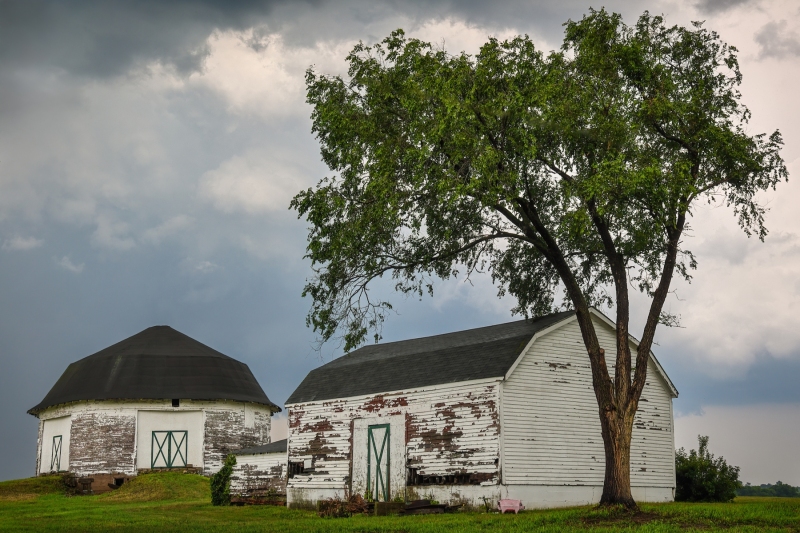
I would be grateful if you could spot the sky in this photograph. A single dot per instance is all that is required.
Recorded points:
(149, 151)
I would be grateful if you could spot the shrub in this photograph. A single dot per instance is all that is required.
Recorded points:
(221, 482)
(702, 478)
(336, 507)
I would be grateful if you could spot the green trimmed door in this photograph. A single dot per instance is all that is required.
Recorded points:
(169, 449)
(55, 456)
(378, 462)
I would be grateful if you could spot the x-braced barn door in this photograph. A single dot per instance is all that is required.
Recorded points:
(378, 462)
(55, 456)
(168, 449)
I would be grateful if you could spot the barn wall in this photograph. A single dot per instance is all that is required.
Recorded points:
(106, 437)
(449, 429)
(226, 431)
(261, 472)
(103, 441)
(39, 441)
(551, 430)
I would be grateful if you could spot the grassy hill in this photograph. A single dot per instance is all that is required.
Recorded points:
(182, 502)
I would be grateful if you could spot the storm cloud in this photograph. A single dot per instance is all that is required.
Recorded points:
(149, 150)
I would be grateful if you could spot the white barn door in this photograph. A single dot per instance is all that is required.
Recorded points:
(379, 457)
(54, 452)
(169, 439)
(378, 461)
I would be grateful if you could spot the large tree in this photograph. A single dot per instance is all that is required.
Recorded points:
(572, 171)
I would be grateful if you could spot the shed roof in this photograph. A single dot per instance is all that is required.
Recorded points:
(461, 356)
(157, 363)
(279, 446)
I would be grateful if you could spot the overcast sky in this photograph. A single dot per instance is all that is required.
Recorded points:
(149, 150)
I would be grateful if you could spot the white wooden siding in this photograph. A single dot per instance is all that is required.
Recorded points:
(259, 472)
(551, 428)
(449, 429)
(103, 433)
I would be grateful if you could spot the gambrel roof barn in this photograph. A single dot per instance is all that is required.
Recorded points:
(501, 411)
(158, 399)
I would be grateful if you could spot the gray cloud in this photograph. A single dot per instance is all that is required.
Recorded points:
(713, 7)
(768, 380)
(167, 192)
(106, 38)
(22, 243)
(67, 264)
(778, 40)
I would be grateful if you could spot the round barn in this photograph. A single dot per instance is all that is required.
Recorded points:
(156, 400)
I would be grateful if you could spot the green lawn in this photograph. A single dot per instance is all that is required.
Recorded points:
(181, 502)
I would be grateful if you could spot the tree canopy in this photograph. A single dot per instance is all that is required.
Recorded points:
(450, 163)
(575, 170)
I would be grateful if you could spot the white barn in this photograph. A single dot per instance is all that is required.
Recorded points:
(504, 411)
(156, 400)
(260, 470)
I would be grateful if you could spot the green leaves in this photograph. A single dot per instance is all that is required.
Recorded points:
(221, 482)
(702, 478)
(578, 168)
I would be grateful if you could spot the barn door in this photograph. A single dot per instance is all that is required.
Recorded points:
(55, 456)
(168, 449)
(378, 462)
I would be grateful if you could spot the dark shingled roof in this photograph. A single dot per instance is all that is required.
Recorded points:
(461, 356)
(157, 363)
(279, 446)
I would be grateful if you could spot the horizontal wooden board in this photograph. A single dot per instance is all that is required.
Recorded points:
(550, 425)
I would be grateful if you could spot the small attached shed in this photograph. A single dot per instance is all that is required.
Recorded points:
(156, 400)
(260, 471)
(505, 411)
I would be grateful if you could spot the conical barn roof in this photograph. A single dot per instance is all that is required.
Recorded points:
(157, 363)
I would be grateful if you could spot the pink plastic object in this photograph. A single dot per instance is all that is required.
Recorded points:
(510, 505)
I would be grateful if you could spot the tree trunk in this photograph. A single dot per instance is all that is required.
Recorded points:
(617, 428)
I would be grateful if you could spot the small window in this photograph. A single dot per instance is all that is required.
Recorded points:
(119, 481)
(296, 468)
(176, 402)
(463, 478)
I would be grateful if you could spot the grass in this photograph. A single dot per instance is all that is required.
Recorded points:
(181, 502)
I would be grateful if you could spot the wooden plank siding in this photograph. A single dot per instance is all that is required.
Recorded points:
(449, 429)
(259, 472)
(551, 430)
(105, 434)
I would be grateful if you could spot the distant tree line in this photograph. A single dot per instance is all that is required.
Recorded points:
(778, 490)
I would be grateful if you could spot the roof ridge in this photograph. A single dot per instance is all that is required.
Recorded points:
(455, 332)
(430, 338)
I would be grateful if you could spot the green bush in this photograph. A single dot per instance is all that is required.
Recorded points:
(221, 482)
(702, 478)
